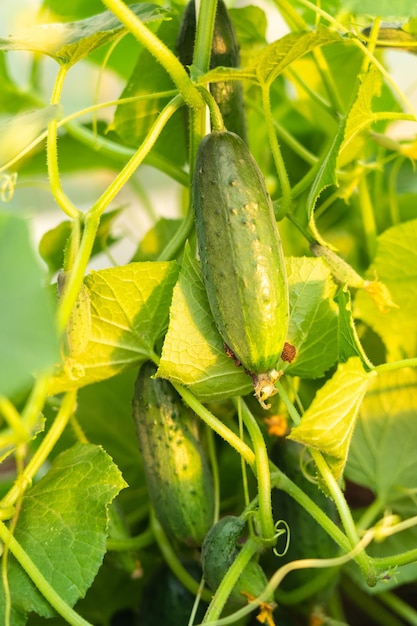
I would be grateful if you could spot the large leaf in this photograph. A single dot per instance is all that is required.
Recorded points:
(28, 339)
(328, 423)
(62, 526)
(395, 265)
(129, 310)
(70, 42)
(193, 352)
(381, 456)
(313, 317)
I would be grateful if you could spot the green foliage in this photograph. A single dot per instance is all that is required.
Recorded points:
(105, 194)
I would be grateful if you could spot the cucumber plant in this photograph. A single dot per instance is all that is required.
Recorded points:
(230, 209)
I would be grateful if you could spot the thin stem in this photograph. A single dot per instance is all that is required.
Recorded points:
(262, 473)
(396, 365)
(276, 151)
(345, 515)
(76, 276)
(230, 579)
(173, 562)
(392, 190)
(205, 27)
(218, 426)
(368, 217)
(117, 152)
(125, 544)
(129, 169)
(26, 477)
(368, 604)
(159, 50)
(52, 151)
(38, 579)
(400, 608)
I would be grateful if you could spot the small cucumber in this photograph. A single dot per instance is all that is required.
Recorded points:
(219, 550)
(177, 472)
(241, 256)
(224, 53)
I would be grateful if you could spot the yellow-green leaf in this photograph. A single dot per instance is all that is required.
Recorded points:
(328, 423)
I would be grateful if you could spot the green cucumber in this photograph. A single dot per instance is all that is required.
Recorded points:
(241, 256)
(219, 550)
(224, 53)
(177, 472)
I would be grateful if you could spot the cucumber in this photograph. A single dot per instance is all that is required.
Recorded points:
(241, 256)
(177, 472)
(219, 550)
(224, 53)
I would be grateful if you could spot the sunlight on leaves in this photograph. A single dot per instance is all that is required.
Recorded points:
(328, 423)
(63, 527)
(129, 310)
(193, 353)
(381, 455)
(313, 317)
(276, 57)
(381, 8)
(395, 265)
(349, 343)
(70, 42)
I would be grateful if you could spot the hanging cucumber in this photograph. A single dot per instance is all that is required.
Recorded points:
(241, 256)
(224, 53)
(177, 473)
(219, 550)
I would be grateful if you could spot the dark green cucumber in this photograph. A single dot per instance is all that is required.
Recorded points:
(177, 473)
(241, 255)
(224, 53)
(219, 550)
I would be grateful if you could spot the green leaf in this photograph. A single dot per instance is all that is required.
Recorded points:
(133, 120)
(276, 57)
(129, 311)
(395, 265)
(381, 455)
(18, 132)
(53, 243)
(382, 458)
(313, 317)
(70, 42)
(156, 239)
(361, 116)
(62, 526)
(328, 423)
(193, 352)
(349, 343)
(28, 339)
(381, 8)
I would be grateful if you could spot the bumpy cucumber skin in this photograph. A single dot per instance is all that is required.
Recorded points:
(240, 250)
(219, 550)
(224, 53)
(177, 472)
